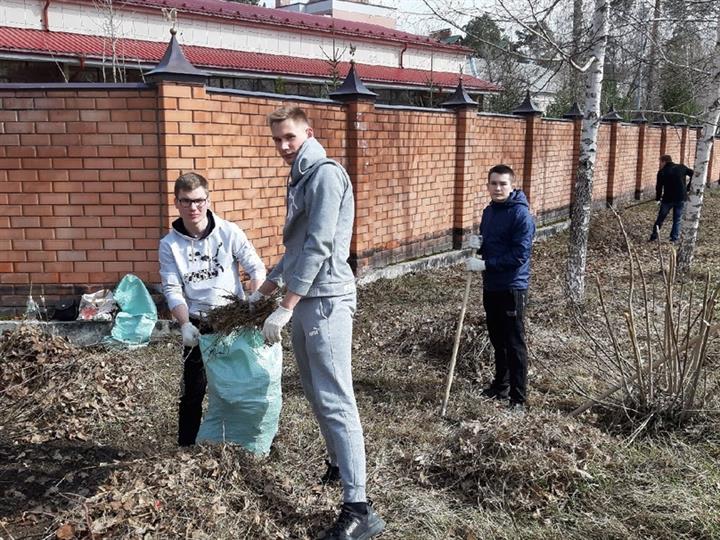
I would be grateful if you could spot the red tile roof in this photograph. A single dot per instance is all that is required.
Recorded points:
(276, 17)
(37, 42)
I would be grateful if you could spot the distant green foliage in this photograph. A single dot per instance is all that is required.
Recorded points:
(497, 62)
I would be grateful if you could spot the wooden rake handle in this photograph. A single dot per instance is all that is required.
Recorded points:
(456, 346)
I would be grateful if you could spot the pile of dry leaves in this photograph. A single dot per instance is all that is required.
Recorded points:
(50, 389)
(527, 462)
(199, 494)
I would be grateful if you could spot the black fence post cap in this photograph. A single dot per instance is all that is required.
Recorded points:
(574, 112)
(352, 88)
(174, 66)
(460, 98)
(662, 121)
(527, 107)
(612, 115)
(639, 118)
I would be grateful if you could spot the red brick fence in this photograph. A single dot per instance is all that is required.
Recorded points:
(86, 174)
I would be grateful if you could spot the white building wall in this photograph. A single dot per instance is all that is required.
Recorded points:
(21, 14)
(152, 26)
(374, 13)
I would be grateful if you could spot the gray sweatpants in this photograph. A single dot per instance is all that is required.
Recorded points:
(322, 342)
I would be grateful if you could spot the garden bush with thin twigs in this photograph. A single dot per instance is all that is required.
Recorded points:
(658, 355)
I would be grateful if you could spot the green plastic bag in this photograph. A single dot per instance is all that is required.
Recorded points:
(136, 320)
(244, 390)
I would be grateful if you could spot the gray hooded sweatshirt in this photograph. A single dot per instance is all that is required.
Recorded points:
(318, 227)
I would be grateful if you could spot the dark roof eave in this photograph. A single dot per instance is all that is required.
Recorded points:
(222, 70)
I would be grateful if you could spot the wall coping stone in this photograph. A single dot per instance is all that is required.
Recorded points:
(75, 86)
(410, 108)
(271, 95)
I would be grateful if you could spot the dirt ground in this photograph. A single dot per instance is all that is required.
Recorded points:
(87, 436)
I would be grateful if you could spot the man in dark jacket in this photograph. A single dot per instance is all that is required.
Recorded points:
(671, 192)
(507, 230)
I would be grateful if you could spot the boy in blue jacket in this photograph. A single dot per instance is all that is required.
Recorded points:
(507, 230)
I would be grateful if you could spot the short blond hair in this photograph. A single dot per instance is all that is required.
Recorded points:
(287, 113)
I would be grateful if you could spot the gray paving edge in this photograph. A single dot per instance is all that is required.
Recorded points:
(89, 333)
(448, 258)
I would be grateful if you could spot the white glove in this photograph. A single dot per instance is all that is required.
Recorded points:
(256, 297)
(190, 334)
(658, 202)
(474, 264)
(274, 324)
(474, 241)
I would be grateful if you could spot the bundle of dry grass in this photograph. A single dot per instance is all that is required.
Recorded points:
(528, 462)
(237, 314)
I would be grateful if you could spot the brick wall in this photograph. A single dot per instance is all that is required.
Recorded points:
(652, 153)
(87, 173)
(554, 169)
(225, 137)
(79, 188)
(691, 147)
(600, 180)
(714, 172)
(411, 188)
(626, 162)
(673, 143)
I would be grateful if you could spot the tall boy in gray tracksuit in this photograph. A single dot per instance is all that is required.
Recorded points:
(320, 298)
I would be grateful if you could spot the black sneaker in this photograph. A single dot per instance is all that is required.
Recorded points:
(517, 407)
(332, 474)
(491, 392)
(351, 525)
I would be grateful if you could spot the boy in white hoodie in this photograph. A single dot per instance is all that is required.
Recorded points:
(200, 263)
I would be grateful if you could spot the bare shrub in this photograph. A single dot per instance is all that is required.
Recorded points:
(658, 352)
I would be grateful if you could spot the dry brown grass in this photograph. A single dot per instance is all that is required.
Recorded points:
(237, 314)
(482, 473)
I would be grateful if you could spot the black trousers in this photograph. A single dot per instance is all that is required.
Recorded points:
(505, 312)
(192, 393)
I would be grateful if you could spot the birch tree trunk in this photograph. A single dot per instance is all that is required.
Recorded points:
(651, 93)
(582, 207)
(576, 75)
(693, 207)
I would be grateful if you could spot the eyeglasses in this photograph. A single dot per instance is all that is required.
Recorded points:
(187, 203)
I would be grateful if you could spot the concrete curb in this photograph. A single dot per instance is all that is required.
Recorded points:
(448, 258)
(440, 260)
(88, 333)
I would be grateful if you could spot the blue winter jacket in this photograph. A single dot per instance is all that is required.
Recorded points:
(507, 230)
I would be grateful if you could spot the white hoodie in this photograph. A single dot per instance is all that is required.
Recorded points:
(200, 273)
